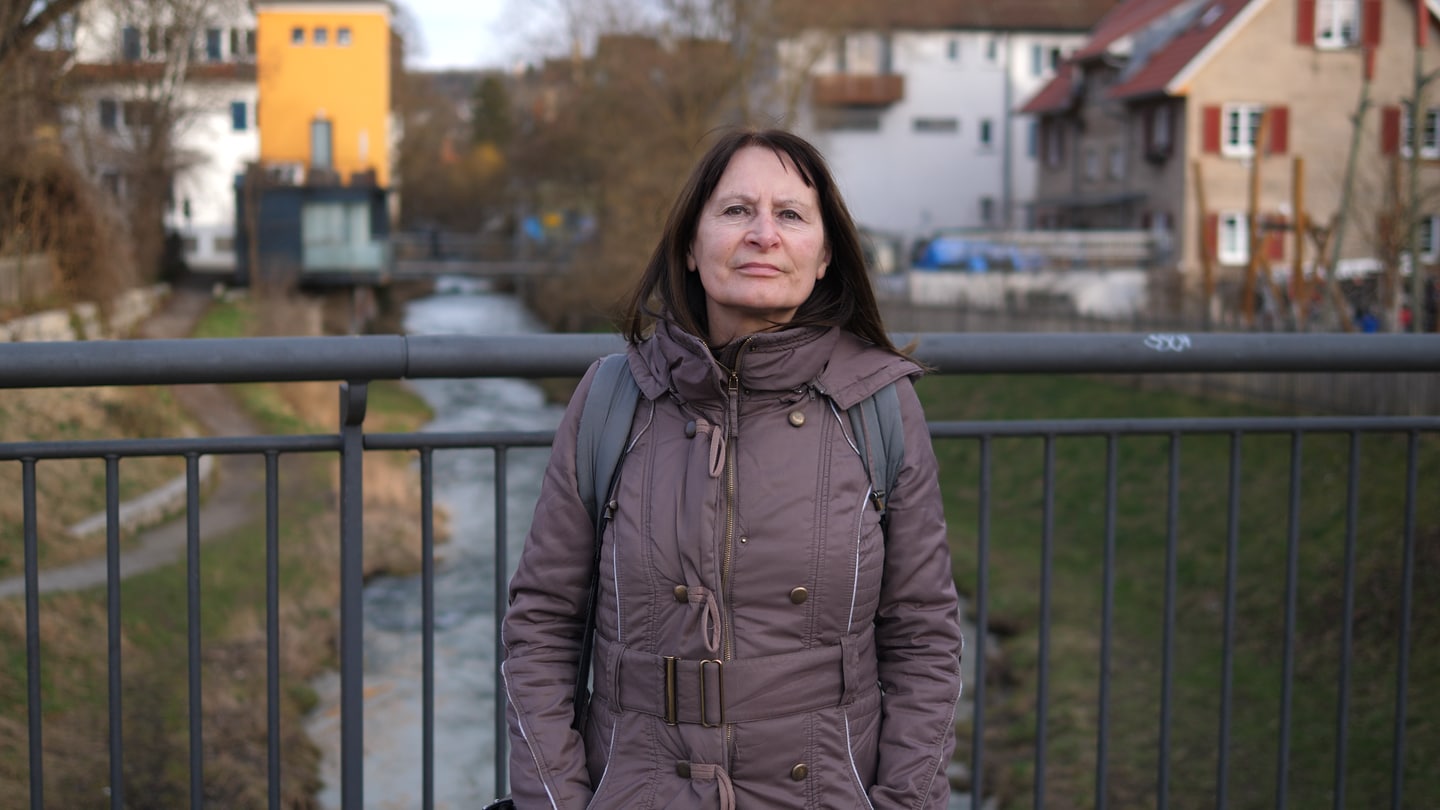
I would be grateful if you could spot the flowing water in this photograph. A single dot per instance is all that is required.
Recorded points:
(464, 483)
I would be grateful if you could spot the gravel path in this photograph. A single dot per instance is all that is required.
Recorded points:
(235, 502)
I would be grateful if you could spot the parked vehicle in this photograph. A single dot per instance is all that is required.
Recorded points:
(973, 256)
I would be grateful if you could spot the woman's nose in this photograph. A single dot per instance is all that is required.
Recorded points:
(763, 232)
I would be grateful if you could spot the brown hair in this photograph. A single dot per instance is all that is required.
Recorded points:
(843, 297)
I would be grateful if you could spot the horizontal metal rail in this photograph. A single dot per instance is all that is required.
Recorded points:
(393, 357)
(354, 361)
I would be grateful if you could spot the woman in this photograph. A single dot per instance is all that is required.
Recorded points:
(762, 641)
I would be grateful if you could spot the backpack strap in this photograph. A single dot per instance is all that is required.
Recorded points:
(604, 427)
(876, 421)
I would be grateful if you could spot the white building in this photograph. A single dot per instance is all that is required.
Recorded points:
(132, 60)
(918, 117)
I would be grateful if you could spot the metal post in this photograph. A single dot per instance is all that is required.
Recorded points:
(352, 627)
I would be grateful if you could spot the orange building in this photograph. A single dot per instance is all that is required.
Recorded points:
(324, 83)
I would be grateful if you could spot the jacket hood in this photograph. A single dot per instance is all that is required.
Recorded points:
(835, 362)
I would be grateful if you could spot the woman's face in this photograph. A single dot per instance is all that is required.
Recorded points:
(759, 245)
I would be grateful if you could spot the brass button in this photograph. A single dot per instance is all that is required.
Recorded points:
(799, 772)
(690, 429)
(682, 594)
(797, 418)
(682, 770)
(799, 595)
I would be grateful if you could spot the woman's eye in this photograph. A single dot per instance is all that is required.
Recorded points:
(793, 215)
(735, 210)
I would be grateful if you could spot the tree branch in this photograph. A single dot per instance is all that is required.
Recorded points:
(22, 36)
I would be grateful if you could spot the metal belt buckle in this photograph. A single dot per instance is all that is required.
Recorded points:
(672, 711)
(720, 684)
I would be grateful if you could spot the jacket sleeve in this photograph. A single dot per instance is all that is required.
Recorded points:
(542, 634)
(917, 631)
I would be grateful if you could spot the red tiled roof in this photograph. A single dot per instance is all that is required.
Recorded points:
(1040, 15)
(1164, 64)
(1131, 17)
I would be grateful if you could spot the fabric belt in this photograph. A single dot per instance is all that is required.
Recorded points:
(711, 692)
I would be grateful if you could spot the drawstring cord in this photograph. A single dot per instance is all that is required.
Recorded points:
(700, 771)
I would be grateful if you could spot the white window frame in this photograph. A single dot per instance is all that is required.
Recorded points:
(1429, 238)
(1429, 133)
(1232, 238)
(1337, 23)
(1239, 126)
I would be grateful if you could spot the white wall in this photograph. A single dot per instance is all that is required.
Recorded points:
(210, 150)
(910, 182)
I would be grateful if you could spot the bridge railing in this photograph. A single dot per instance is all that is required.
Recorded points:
(356, 361)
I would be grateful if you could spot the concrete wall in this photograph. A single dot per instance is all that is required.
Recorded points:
(85, 321)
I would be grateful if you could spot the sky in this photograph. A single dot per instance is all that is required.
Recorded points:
(466, 34)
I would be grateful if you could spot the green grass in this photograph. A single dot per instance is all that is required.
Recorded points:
(155, 622)
(1142, 489)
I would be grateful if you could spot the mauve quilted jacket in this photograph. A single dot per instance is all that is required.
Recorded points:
(760, 642)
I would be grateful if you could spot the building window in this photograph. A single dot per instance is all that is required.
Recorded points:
(1161, 130)
(321, 155)
(297, 36)
(239, 116)
(1337, 23)
(1241, 126)
(987, 210)
(1234, 236)
(342, 35)
(1092, 163)
(1429, 239)
(986, 135)
(1037, 60)
(1117, 163)
(322, 36)
(1054, 137)
(936, 125)
(1429, 133)
(952, 50)
(213, 38)
(242, 43)
(1032, 139)
(109, 114)
(848, 119)
(130, 43)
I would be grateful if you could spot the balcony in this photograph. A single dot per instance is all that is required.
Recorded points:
(857, 90)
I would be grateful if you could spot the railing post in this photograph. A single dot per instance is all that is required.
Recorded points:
(352, 627)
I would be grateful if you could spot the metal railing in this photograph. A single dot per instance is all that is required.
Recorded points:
(356, 361)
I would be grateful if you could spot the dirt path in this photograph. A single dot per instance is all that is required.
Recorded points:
(235, 502)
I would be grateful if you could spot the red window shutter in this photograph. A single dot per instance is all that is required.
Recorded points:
(1212, 235)
(1210, 130)
(1275, 242)
(1305, 22)
(1279, 130)
(1370, 24)
(1389, 130)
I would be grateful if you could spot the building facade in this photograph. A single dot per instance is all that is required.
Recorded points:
(1176, 114)
(915, 108)
(179, 77)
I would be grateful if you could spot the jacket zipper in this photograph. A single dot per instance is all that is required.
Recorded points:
(732, 428)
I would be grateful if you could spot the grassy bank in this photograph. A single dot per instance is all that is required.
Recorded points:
(1141, 511)
(232, 622)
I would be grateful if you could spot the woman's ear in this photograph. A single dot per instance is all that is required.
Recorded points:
(690, 260)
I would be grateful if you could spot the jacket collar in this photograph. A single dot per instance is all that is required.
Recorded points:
(827, 358)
